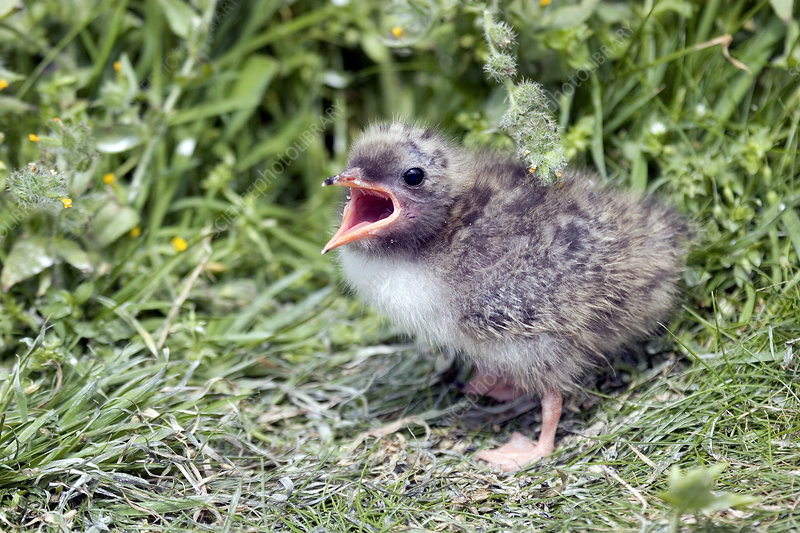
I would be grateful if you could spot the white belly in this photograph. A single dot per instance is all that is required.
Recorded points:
(415, 299)
(407, 292)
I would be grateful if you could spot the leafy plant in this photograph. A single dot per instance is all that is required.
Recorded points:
(691, 492)
(528, 119)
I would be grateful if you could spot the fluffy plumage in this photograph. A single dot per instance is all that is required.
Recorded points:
(532, 283)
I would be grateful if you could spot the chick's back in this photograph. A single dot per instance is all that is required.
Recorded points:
(548, 279)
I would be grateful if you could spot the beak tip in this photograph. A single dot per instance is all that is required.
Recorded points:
(346, 177)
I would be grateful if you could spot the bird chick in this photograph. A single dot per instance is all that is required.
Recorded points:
(533, 284)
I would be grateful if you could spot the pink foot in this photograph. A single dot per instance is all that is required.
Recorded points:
(521, 451)
(500, 388)
(518, 452)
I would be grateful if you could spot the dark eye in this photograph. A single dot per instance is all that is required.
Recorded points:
(414, 176)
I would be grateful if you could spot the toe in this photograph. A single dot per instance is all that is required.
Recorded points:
(518, 452)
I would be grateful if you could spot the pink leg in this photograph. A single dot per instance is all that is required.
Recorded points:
(500, 388)
(520, 450)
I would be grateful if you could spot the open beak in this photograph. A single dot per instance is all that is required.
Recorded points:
(369, 208)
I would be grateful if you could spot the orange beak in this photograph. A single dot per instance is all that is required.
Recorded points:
(370, 208)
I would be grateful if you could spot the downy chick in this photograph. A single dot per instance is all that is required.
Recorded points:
(533, 284)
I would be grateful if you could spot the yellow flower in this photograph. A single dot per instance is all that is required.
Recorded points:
(108, 179)
(117, 66)
(544, 3)
(67, 202)
(558, 173)
(3, 84)
(179, 244)
(398, 32)
(136, 231)
(33, 137)
(532, 169)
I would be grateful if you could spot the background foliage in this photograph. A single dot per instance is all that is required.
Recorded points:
(175, 354)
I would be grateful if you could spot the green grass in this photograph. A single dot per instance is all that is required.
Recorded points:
(233, 385)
